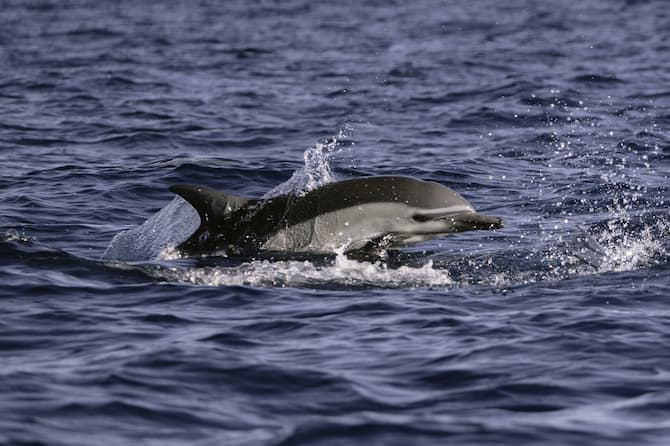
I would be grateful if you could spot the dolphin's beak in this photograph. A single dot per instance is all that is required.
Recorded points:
(461, 220)
(474, 220)
(482, 221)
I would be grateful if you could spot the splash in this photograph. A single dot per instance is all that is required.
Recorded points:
(617, 245)
(170, 252)
(13, 235)
(317, 171)
(627, 247)
(167, 228)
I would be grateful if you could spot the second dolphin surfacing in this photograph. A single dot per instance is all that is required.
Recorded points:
(360, 214)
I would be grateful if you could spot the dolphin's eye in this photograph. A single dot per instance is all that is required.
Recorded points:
(420, 218)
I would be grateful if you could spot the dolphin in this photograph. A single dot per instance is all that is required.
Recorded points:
(368, 214)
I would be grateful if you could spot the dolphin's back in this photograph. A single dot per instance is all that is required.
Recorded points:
(424, 195)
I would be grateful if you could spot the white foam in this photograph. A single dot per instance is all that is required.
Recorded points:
(344, 272)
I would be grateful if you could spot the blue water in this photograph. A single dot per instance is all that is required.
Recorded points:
(552, 115)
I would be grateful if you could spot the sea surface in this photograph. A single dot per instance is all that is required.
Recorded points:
(554, 116)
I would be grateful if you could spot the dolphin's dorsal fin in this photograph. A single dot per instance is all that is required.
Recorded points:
(211, 204)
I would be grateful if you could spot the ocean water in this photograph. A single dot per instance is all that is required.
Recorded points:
(554, 116)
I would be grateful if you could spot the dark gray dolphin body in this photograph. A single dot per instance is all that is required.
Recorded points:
(368, 213)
